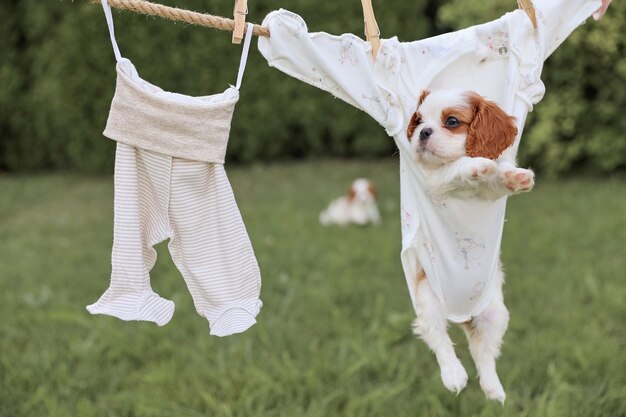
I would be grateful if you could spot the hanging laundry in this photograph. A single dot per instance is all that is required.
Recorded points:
(170, 182)
(455, 239)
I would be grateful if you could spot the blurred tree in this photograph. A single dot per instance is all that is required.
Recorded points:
(57, 79)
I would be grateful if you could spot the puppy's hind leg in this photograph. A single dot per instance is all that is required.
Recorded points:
(484, 334)
(431, 326)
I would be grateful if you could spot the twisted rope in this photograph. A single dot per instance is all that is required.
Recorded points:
(181, 15)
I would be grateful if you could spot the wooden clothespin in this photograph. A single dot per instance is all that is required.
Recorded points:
(240, 12)
(527, 6)
(372, 33)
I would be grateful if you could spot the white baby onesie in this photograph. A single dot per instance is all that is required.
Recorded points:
(455, 239)
(170, 183)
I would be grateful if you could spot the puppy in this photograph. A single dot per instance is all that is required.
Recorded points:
(457, 137)
(358, 206)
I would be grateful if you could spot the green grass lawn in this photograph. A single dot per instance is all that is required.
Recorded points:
(333, 338)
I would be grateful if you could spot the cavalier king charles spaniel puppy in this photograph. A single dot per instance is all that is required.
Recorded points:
(358, 206)
(457, 136)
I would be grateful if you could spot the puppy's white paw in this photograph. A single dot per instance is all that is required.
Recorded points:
(454, 376)
(518, 180)
(480, 168)
(492, 388)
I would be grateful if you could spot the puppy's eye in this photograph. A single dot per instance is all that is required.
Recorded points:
(419, 121)
(452, 121)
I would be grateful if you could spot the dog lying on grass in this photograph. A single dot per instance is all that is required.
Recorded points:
(358, 206)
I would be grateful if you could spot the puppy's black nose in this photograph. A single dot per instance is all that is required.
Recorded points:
(425, 133)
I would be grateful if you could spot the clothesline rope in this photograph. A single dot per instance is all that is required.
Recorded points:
(181, 15)
(218, 22)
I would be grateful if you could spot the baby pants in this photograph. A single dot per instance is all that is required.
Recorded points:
(191, 203)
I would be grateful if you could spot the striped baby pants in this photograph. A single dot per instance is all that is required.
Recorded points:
(191, 203)
(170, 182)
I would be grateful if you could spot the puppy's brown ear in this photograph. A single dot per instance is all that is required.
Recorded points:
(412, 126)
(351, 193)
(491, 131)
(413, 122)
(373, 190)
(422, 97)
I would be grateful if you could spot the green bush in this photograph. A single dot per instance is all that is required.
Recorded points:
(57, 79)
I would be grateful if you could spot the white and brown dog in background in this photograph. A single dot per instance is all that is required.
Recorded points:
(457, 136)
(358, 206)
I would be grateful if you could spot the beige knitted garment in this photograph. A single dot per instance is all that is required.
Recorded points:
(145, 116)
(170, 183)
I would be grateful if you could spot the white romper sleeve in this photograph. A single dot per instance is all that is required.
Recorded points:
(556, 20)
(341, 65)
